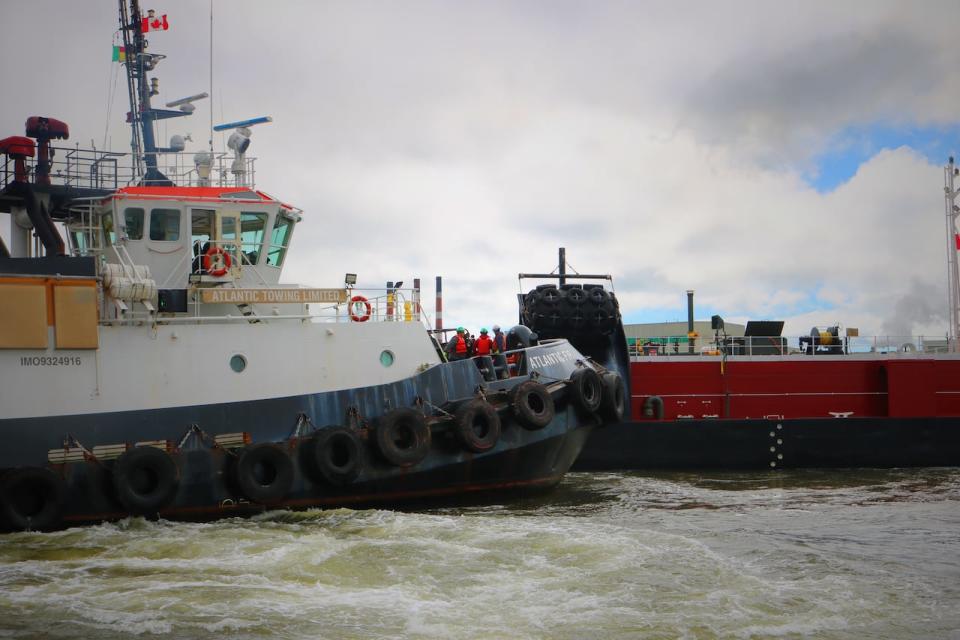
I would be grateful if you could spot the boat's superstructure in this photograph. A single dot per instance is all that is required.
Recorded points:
(151, 363)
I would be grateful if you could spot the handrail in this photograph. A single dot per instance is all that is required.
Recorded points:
(83, 168)
(733, 346)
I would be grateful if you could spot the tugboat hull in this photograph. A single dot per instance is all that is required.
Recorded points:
(220, 460)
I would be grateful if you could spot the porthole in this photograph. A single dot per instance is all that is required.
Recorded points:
(238, 363)
(386, 358)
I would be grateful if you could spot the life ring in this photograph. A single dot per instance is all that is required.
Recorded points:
(532, 405)
(477, 425)
(32, 499)
(403, 437)
(223, 261)
(586, 390)
(359, 300)
(612, 402)
(334, 454)
(145, 480)
(264, 473)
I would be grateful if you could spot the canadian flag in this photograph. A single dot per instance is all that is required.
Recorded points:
(153, 22)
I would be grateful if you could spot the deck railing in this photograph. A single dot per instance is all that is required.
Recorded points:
(108, 170)
(784, 345)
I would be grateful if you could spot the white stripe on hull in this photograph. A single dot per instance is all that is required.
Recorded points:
(142, 367)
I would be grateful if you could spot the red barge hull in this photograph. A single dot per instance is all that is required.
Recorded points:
(771, 412)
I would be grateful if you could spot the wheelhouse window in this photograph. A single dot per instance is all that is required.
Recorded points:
(253, 228)
(133, 222)
(279, 240)
(201, 229)
(109, 233)
(165, 225)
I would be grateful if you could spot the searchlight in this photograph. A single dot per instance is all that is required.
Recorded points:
(239, 141)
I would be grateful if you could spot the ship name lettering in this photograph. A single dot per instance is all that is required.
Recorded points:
(279, 296)
(547, 359)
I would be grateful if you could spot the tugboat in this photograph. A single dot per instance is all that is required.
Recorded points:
(151, 364)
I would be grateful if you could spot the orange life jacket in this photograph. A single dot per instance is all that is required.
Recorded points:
(483, 345)
(461, 346)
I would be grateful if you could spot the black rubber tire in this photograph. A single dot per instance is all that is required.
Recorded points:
(403, 437)
(549, 297)
(586, 390)
(576, 318)
(532, 405)
(575, 297)
(613, 400)
(601, 320)
(598, 295)
(145, 479)
(477, 425)
(32, 499)
(335, 454)
(530, 307)
(264, 473)
(550, 319)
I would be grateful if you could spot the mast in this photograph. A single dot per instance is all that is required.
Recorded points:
(953, 247)
(142, 115)
(130, 29)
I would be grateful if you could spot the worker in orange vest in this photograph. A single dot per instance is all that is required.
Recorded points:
(457, 347)
(483, 346)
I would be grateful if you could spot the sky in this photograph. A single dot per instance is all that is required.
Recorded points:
(783, 160)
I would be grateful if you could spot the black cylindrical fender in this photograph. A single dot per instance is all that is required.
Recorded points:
(532, 405)
(586, 390)
(145, 479)
(31, 499)
(403, 437)
(264, 473)
(612, 402)
(334, 454)
(477, 425)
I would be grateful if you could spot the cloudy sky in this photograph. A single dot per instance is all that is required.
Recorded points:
(784, 160)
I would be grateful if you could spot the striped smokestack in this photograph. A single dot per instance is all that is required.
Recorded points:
(439, 308)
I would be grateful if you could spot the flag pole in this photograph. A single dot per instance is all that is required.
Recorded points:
(211, 78)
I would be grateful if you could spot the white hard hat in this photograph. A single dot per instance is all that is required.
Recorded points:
(496, 327)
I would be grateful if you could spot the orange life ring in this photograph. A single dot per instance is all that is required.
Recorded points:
(357, 300)
(208, 260)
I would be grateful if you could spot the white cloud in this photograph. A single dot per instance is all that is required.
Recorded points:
(665, 146)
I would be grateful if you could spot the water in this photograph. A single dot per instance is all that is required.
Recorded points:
(849, 554)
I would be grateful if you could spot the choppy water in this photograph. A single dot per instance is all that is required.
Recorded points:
(850, 554)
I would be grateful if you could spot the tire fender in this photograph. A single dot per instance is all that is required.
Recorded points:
(477, 425)
(334, 454)
(32, 499)
(532, 405)
(403, 437)
(586, 389)
(145, 479)
(264, 473)
(612, 402)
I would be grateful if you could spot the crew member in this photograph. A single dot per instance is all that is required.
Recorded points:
(457, 347)
(499, 340)
(483, 346)
(499, 348)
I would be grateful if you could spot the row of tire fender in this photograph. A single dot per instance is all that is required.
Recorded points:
(146, 479)
(403, 436)
(571, 306)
